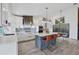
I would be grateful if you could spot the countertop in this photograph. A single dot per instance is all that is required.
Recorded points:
(8, 39)
(45, 34)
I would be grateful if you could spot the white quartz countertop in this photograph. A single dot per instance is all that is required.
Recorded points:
(45, 34)
(8, 39)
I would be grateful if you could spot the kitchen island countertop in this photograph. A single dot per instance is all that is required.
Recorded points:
(45, 34)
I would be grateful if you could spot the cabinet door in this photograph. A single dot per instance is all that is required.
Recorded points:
(78, 31)
(78, 24)
(38, 41)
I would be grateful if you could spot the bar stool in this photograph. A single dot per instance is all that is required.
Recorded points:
(53, 41)
(46, 41)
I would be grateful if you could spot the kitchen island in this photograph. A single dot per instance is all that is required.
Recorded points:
(43, 40)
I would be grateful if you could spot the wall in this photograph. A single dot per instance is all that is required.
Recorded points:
(0, 13)
(17, 21)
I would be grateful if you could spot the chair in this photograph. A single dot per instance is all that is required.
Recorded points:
(48, 38)
(53, 41)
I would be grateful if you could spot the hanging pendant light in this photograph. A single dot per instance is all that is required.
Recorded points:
(46, 19)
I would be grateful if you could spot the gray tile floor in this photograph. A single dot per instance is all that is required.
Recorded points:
(63, 47)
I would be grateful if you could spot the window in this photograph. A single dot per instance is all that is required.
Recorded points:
(27, 20)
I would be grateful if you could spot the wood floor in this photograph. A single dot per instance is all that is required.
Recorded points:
(63, 47)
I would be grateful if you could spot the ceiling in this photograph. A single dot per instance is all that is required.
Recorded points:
(39, 8)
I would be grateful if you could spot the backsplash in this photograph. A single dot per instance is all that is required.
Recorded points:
(26, 30)
(1, 30)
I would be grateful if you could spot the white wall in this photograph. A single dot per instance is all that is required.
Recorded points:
(17, 21)
(0, 13)
(71, 18)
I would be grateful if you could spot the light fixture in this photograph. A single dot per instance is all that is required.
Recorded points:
(60, 13)
(46, 19)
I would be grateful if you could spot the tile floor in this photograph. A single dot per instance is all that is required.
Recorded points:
(63, 47)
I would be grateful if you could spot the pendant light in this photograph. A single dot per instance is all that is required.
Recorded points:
(46, 19)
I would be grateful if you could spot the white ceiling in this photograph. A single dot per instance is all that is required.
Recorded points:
(39, 8)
